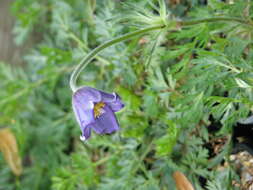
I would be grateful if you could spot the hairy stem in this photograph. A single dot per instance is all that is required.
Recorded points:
(87, 59)
(217, 19)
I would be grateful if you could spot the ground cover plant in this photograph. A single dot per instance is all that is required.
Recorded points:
(185, 86)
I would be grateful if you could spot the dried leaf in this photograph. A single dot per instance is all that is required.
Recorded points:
(174, 2)
(182, 182)
(8, 146)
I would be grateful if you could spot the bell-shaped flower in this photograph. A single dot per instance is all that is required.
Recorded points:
(94, 109)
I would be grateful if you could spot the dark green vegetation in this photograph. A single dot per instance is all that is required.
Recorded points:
(183, 90)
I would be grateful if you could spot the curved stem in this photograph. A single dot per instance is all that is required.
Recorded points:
(86, 60)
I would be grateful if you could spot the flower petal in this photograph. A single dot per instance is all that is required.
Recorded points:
(86, 132)
(86, 93)
(83, 112)
(117, 104)
(83, 104)
(106, 123)
(107, 97)
(112, 100)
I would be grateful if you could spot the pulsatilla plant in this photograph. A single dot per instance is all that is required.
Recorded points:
(174, 76)
(93, 108)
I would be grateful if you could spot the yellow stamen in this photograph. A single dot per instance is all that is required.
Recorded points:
(98, 109)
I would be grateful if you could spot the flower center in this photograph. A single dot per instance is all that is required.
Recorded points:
(98, 109)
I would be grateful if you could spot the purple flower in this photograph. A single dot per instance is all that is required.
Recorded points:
(95, 109)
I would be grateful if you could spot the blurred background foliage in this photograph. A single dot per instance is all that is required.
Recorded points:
(184, 92)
